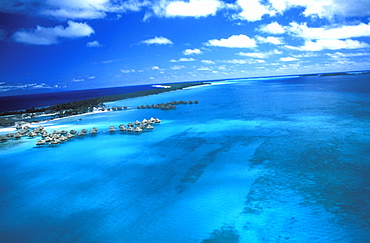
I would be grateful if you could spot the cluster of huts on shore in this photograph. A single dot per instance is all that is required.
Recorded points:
(57, 137)
(168, 105)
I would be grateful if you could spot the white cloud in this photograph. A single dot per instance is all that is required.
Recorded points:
(320, 45)
(250, 10)
(78, 80)
(127, 70)
(273, 28)
(282, 5)
(192, 8)
(332, 38)
(243, 61)
(331, 8)
(158, 41)
(253, 10)
(74, 13)
(325, 8)
(288, 59)
(6, 86)
(192, 52)
(270, 39)
(155, 68)
(73, 9)
(290, 66)
(338, 55)
(66, 9)
(76, 9)
(204, 69)
(236, 61)
(79, 4)
(183, 60)
(260, 54)
(307, 54)
(129, 5)
(177, 67)
(93, 44)
(208, 62)
(52, 35)
(234, 41)
(110, 61)
(342, 32)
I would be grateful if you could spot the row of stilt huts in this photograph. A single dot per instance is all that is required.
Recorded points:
(57, 137)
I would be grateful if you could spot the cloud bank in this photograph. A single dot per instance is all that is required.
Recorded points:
(53, 35)
(234, 41)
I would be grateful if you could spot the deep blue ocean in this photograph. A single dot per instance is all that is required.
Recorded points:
(257, 160)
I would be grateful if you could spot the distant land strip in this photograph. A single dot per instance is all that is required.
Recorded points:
(86, 105)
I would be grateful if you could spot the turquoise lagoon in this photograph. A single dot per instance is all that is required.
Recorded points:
(257, 160)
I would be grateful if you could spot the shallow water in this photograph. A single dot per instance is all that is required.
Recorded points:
(255, 161)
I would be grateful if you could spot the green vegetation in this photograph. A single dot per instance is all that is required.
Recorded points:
(335, 74)
(149, 92)
(84, 106)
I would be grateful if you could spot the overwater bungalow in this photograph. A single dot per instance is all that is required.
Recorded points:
(130, 129)
(40, 142)
(55, 136)
(69, 136)
(73, 131)
(55, 142)
(32, 134)
(80, 133)
(63, 132)
(93, 131)
(138, 129)
(10, 135)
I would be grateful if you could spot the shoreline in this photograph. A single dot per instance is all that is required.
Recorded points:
(36, 124)
(15, 120)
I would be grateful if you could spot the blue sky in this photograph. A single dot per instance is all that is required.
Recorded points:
(51, 45)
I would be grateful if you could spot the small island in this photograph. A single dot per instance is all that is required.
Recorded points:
(34, 115)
